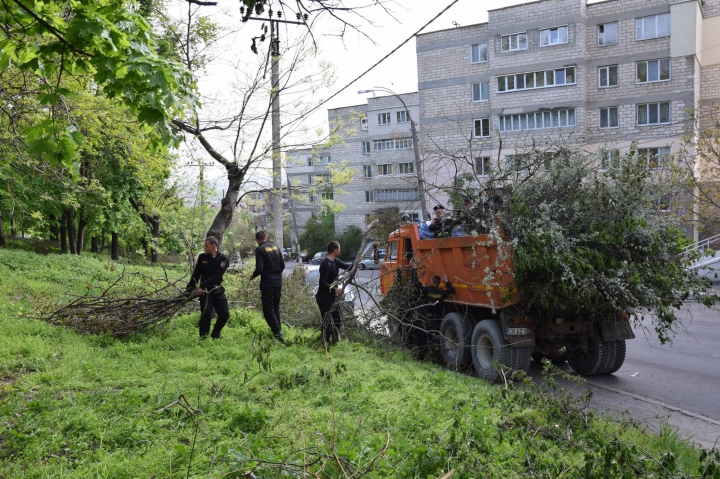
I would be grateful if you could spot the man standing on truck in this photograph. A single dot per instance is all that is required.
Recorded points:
(434, 298)
(269, 265)
(326, 293)
(441, 226)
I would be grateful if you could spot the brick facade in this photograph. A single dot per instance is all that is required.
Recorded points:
(446, 74)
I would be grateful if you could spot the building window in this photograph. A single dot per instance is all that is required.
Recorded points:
(653, 113)
(532, 80)
(401, 194)
(517, 41)
(365, 147)
(367, 171)
(383, 118)
(654, 26)
(518, 162)
(402, 117)
(654, 157)
(481, 128)
(324, 160)
(653, 71)
(482, 166)
(310, 160)
(311, 198)
(480, 91)
(369, 197)
(553, 36)
(406, 168)
(608, 76)
(609, 117)
(479, 53)
(609, 159)
(392, 144)
(608, 34)
(364, 124)
(537, 121)
(384, 170)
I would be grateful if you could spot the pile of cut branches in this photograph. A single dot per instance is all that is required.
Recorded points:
(133, 304)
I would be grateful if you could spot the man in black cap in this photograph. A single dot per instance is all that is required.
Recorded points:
(206, 282)
(442, 227)
(269, 265)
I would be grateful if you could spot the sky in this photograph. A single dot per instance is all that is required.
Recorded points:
(377, 35)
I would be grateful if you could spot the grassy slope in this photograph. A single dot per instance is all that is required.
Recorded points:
(86, 406)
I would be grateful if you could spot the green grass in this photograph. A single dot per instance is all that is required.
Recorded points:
(92, 406)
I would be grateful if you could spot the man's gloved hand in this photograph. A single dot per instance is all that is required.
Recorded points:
(199, 291)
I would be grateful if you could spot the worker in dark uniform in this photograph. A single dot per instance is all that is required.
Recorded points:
(206, 282)
(434, 298)
(269, 265)
(326, 293)
(441, 226)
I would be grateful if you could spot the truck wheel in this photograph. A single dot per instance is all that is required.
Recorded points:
(521, 358)
(619, 357)
(455, 334)
(596, 360)
(489, 346)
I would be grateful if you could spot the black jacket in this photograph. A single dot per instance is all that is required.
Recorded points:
(329, 271)
(435, 297)
(269, 265)
(208, 272)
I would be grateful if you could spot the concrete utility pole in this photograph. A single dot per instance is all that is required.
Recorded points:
(201, 188)
(416, 151)
(277, 172)
(275, 92)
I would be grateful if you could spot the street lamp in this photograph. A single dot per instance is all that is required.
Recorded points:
(413, 130)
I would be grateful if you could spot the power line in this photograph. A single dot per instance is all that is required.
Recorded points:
(375, 65)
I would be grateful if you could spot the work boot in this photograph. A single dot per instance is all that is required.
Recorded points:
(280, 338)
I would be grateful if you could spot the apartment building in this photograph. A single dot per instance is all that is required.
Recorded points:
(374, 142)
(550, 72)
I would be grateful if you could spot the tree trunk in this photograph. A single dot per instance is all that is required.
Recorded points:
(63, 234)
(2, 233)
(94, 245)
(82, 224)
(156, 238)
(53, 229)
(225, 215)
(102, 240)
(115, 246)
(70, 224)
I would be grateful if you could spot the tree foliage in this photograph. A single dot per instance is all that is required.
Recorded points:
(598, 243)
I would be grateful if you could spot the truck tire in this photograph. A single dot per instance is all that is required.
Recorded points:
(455, 334)
(521, 358)
(618, 358)
(489, 346)
(596, 360)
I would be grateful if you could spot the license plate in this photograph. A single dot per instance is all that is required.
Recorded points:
(516, 331)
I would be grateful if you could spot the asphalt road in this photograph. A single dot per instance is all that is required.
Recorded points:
(675, 384)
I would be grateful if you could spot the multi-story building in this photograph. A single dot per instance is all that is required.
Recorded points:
(374, 142)
(550, 72)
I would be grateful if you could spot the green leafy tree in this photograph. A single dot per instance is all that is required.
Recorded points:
(319, 231)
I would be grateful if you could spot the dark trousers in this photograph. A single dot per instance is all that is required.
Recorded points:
(217, 301)
(270, 298)
(330, 320)
(415, 326)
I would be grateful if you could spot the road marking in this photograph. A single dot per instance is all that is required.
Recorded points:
(633, 375)
(657, 403)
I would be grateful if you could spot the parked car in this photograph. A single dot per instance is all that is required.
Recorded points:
(303, 258)
(319, 256)
(347, 305)
(370, 263)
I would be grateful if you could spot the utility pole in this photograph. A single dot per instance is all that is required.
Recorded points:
(277, 172)
(275, 92)
(201, 188)
(294, 217)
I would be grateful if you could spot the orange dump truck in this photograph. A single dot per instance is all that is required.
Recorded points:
(483, 322)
